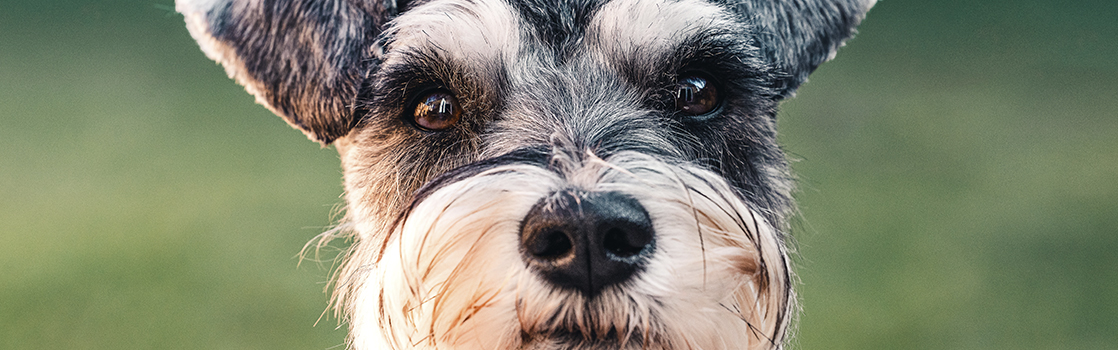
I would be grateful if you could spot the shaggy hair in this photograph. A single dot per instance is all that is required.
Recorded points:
(562, 102)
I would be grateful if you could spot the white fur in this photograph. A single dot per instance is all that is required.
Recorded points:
(466, 31)
(622, 26)
(451, 275)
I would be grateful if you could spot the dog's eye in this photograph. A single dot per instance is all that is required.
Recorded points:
(437, 110)
(695, 94)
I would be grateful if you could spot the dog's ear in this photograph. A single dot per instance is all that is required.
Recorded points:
(796, 36)
(305, 60)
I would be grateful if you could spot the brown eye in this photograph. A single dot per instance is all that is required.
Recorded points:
(437, 111)
(695, 95)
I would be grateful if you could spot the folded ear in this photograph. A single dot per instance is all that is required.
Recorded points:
(796, 36)
(303, 59)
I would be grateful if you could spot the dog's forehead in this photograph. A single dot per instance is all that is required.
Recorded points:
(516, 33)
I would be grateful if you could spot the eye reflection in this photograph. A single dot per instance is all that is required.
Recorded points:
(695, 95)
(436, 111)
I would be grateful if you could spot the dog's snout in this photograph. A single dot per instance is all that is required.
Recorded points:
(587, 241)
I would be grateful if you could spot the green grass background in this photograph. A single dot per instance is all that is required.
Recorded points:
(958, 166)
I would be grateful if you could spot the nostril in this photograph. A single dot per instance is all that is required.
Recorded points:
(550, 244)
(626, 242)
(587, 241)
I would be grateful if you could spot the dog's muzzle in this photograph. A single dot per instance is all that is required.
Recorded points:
(627, 252)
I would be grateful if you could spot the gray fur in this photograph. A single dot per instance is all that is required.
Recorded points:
(797, 36)
(545, 82)
(303, 59)
(310, 58)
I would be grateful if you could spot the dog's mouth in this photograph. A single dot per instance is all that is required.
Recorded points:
(613, 320)
(579, 339)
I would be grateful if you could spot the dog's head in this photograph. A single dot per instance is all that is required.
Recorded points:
(546, 174)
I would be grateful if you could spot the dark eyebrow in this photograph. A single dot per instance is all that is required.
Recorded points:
(417, 70)
(727, 56)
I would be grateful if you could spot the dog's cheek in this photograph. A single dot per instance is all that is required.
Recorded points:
(708, 269)
(385, 163)
(448, 278)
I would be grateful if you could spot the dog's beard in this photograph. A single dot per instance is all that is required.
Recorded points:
(451, 274)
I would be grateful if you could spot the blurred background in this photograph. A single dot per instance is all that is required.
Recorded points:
(958, 165)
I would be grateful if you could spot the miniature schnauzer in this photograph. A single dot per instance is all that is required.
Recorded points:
(546, 174)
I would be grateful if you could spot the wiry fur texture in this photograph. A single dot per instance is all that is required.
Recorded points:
(445, 281)
(559, 98)
(304, 60)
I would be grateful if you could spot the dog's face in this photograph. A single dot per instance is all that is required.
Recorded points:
(546, 174)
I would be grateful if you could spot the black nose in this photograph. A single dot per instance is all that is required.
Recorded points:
(586, 241)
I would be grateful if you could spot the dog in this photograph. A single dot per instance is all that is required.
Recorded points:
(545, 174)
